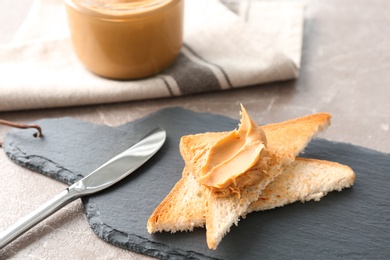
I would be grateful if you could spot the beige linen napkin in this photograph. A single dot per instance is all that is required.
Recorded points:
(222, 50)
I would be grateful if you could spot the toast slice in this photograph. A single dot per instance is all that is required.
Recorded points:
(304, 180)
(285, 141)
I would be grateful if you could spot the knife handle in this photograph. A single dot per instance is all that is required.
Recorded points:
(37, 216)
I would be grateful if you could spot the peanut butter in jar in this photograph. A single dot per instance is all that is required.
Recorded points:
(126, 39)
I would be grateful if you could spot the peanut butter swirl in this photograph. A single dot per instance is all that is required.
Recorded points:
(236, 160)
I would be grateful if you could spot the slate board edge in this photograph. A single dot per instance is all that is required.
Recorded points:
(129, 241)
(18, 157)
(94, 219)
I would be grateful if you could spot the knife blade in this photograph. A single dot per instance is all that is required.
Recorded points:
(103, 177)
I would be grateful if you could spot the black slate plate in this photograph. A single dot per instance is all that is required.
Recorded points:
(352, 224)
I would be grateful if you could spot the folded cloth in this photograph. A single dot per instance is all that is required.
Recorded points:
(259, 43)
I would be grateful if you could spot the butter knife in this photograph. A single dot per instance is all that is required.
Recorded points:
(103, 177)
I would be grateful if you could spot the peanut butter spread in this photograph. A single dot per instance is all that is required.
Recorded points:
(236, 160)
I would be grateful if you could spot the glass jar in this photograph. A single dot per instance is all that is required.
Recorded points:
(126, 39)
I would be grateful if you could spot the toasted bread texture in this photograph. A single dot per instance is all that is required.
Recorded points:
(304, 180)
(285, 141)
(183, 209)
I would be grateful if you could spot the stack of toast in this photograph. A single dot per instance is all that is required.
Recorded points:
(287, 179)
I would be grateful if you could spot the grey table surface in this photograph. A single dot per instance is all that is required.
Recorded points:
(344, 70)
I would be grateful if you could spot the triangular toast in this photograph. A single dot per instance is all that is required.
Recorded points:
(285, 141)
(304, 180)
